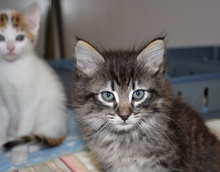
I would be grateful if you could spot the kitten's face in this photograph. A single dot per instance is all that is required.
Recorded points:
(124, 106)
(18, 32)
(120, 90)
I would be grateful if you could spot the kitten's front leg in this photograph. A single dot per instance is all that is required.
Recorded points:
(4, 124)
(19, 154)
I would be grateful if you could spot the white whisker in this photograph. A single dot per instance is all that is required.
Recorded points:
(172, 120)
(166, 139)
(145, 133)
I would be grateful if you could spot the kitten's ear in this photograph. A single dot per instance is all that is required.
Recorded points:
(32, 17)
(87, 58)
(152, 55)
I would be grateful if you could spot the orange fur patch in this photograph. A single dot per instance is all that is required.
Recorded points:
(19, 24)
(3, 20)
(53, 141)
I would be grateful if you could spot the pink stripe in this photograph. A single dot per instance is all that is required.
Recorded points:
(70, 168)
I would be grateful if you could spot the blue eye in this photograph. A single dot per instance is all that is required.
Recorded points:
(138, 95)
(2, 38)
(20, 38)
(108, 96)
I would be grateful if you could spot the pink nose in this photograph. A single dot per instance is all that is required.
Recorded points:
(10, 48)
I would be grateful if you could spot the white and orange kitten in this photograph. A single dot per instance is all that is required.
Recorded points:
(32, 99)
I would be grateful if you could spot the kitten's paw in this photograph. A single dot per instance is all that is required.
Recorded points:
(19, 156)
(33, 148)
(1, 148)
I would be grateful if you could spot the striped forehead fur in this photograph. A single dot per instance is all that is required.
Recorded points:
(17, 21)
(122, 67)
(122, 74)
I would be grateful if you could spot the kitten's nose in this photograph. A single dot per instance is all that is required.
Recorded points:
(124, 111)
(10, 48)
(124, 117)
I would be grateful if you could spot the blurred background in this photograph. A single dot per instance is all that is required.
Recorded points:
(123, 23)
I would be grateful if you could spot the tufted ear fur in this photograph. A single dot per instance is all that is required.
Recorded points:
(152, 55)
(87, 58)
(32, 17)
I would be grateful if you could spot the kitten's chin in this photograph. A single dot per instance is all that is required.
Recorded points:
(10, 58)
(124, 127)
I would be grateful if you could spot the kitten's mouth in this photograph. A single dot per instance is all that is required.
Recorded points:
(124, 126)
(125, 123)
(10, 57)
(10, 54)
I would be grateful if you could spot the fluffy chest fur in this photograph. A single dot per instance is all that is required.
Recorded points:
(10, 71)
(125, 153)
(24, 77)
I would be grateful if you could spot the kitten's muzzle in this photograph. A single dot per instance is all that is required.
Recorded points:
(124, 117)
(124, 112)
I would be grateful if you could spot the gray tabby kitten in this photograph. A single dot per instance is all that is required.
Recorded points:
(130, 118)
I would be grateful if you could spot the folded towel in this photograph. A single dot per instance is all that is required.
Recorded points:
(76, 162)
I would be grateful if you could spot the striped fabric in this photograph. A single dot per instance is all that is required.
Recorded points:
(77, 162)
